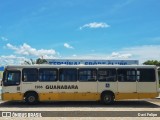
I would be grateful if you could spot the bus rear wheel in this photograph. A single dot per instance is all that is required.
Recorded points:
(31, 98)
(107, 98)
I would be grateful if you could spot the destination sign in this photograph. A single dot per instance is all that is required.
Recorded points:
(91, 62)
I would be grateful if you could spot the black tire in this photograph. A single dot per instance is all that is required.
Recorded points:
(31, 98)
(107, 98)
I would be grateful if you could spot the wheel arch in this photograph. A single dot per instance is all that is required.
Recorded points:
(108, 92)
(31, 92)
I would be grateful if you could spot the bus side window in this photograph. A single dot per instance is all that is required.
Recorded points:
(146, 75)
(48, 74)
(126, 75)
(107, 75)
(30, 74)
(86, 74)
(67, 74)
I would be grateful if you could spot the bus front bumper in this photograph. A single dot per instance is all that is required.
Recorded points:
(11, 96)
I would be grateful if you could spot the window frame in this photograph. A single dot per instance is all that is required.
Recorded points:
(86, 75)
(98, 75)
(129, 69)
(29, 69)
(6, 73)
(67, 80)
(48, 69)
(147, 69)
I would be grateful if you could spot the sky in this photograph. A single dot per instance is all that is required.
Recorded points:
(79, 29)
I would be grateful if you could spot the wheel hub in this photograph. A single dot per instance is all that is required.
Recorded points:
(31, 99)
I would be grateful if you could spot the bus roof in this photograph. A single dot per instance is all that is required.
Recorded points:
(78, 66)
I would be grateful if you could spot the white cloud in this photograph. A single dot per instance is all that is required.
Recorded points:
(98, 56)
(66, 45)
(95, 25)
(27, 50)
(143, 53)
(4, 38)
(119, 55)
(51, 56)
(18, 60)
(11, 59)
(74, 55)
(11, 46)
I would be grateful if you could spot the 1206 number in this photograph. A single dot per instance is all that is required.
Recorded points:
(38, 87)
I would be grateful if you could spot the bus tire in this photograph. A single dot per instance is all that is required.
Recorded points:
(107, 98)
(31, 98)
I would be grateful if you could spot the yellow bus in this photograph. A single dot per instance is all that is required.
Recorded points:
(105, 83)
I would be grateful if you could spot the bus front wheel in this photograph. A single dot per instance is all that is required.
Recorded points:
(107, 98)
(31, 98)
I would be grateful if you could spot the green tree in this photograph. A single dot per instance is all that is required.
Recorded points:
(41, 61)
(38, 61)
(152, 62)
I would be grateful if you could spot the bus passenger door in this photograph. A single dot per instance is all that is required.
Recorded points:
(11, 85)
(147, 83)
(127, 84)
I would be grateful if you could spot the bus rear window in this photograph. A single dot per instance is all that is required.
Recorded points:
(146, 75)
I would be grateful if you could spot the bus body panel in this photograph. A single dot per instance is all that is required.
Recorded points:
(77, 91)
(127, 87)
(150, 87)
(107, 86)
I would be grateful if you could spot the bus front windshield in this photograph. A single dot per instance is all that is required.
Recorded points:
(11, 78)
